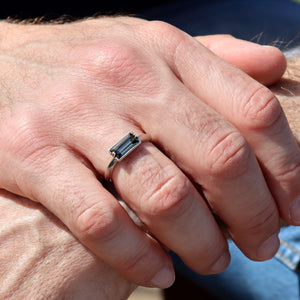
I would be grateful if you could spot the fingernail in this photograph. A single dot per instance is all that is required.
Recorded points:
(268, 248)
(221, 263)
(164, 278)
(295, 211)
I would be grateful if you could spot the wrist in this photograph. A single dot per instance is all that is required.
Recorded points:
(12, 35)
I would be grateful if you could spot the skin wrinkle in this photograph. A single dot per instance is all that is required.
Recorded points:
(26, 258)
(52, 264)
(48, 190)
(287, 91)
(228, 152)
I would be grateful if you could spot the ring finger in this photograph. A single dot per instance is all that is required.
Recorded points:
(216, 156)
(164, 199)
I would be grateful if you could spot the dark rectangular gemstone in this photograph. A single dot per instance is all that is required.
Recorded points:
(128, 143)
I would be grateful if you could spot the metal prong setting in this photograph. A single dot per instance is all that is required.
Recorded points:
(122, 149)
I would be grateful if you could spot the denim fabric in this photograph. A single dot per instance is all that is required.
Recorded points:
(262, 21)
(244, 279)
(289, 250)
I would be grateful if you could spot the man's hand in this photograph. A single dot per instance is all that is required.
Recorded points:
(40, 259)
(69, 92)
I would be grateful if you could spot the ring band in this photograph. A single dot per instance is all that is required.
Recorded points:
(122, 148)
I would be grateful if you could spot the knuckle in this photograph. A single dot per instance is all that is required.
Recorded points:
(115, 64)
(262, 222)
(175, 40)
(163, 28)
(229, 156)
(96, 223)
(261, 109)
(26, 135)
(168, 197)
(134, 263)
(289, 172)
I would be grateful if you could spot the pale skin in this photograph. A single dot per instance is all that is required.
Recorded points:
(40, 259)
(36, 246)
(69, 92)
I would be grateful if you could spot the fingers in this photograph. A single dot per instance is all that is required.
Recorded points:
(252, 108)
(95, 217)
(266, 64)
(166, 201)
(172, 209)
(216, 155)
(281, 184)
(184, 119)
(179, 125)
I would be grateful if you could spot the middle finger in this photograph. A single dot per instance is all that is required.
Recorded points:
(164, 199)
(216, 156)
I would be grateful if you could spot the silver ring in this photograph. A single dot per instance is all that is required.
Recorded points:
(122, 148)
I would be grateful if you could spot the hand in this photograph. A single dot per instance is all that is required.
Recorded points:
(40, 259)
(69, 92)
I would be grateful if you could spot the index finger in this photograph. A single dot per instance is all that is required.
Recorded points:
(265, 64)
